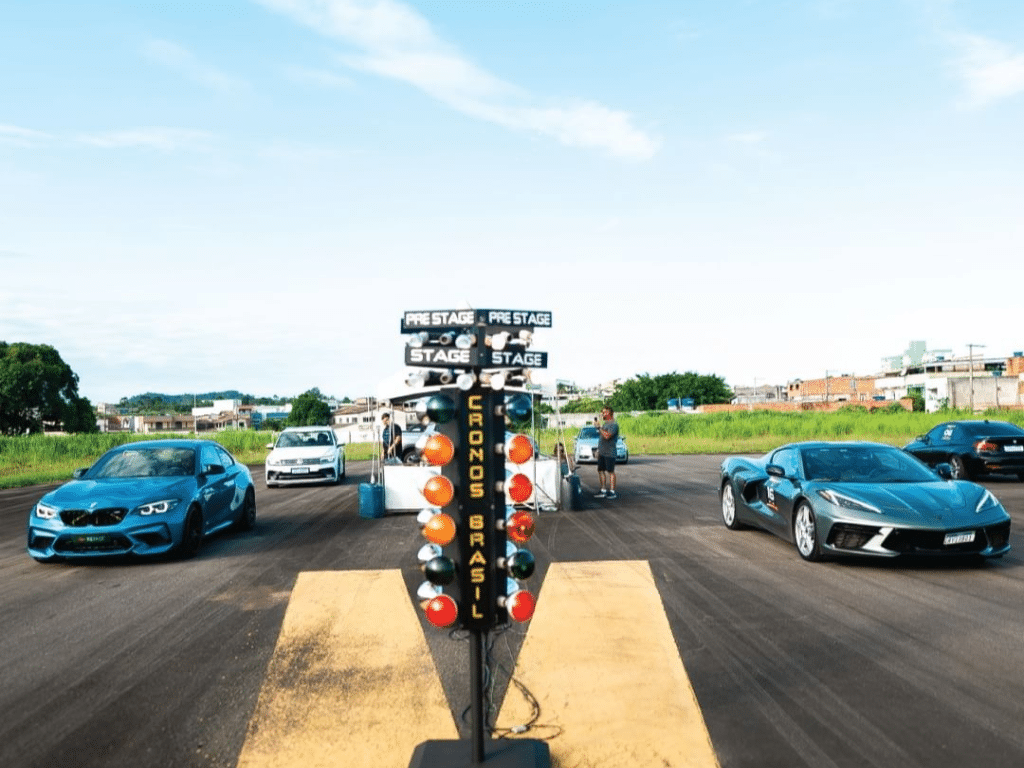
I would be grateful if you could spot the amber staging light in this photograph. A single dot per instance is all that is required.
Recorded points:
(438, 491)
(440, 529)
(438, 450)
(519, 449)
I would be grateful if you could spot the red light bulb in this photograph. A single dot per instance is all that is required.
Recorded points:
(442, 611)
(519, 527)
(520, 605)
(519, 488)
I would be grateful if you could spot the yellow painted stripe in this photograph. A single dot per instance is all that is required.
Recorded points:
(600, 659)
(351, 683)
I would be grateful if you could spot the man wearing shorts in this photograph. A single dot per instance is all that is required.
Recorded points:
(609, 432)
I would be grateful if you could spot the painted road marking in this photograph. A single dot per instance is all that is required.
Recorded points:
(352, 682)
(600, 659)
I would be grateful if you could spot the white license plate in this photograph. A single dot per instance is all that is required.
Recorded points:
(300, 470)
(1014, 448)
(958, 538)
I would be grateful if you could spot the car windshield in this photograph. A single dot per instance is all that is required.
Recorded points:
(863, 464)
(149, 462)
(303, 439)
(588, 433)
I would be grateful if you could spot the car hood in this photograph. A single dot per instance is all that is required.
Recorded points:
(118, 491)
(313, 452)
(933, 501)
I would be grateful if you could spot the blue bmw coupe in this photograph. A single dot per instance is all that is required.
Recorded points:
(144, 498)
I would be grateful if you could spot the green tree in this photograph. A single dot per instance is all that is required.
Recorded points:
(37, 386)
(652, 393)
(309, 409)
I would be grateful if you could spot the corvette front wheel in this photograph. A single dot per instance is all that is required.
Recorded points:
(805, 533)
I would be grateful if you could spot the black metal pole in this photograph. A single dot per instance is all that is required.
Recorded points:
(476, 676)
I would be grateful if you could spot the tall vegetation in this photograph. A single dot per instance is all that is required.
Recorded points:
(37, 387)
(309, 410)
(649, 393)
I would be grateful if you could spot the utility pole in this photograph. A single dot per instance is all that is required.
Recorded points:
(970, 351)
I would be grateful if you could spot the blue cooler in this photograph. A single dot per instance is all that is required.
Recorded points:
(371, 500)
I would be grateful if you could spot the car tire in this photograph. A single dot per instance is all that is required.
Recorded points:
(411, 457)
(341, 475)
(805, 533)
(247, 514)
(191, 534)
(729, 507)
(959, 468)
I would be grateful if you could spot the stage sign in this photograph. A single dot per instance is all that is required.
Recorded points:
(448, 319)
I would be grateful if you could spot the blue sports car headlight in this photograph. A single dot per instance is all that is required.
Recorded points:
(987, 501)
(847, 502)
(157, 507)
(45, 511)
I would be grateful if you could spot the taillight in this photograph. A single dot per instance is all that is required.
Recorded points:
(984, 446)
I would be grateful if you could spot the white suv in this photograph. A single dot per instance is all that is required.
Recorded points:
(305, 455)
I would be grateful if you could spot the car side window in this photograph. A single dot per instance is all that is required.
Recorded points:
(941, 434)
(209, 456)
(224, 458)
(789, 460)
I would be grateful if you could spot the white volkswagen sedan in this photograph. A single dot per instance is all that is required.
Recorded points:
(305, 455)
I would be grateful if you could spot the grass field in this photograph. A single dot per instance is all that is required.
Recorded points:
(38, 459)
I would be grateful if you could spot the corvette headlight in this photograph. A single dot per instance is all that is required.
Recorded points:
(156, 507)
(987, 501)
(847, 502)
(45, 511)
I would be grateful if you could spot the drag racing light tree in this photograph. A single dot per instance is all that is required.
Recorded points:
(438, 518)
(518, 563)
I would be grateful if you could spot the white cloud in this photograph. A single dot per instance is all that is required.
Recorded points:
(21, 137)
(182, 60)
(398, 43)
(989, 69)
(158, 138)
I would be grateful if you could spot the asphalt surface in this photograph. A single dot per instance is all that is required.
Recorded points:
(793, 664)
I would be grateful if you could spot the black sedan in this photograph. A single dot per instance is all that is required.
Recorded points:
(973, 448)
(864, 499)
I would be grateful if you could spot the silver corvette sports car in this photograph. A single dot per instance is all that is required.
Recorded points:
(868, 499)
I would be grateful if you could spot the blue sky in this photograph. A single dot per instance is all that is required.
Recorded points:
(248, 195)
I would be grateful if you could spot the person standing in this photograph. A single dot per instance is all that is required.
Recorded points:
(606, 445)
(391, 439)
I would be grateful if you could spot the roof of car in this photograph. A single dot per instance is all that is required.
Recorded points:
(306, 429)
